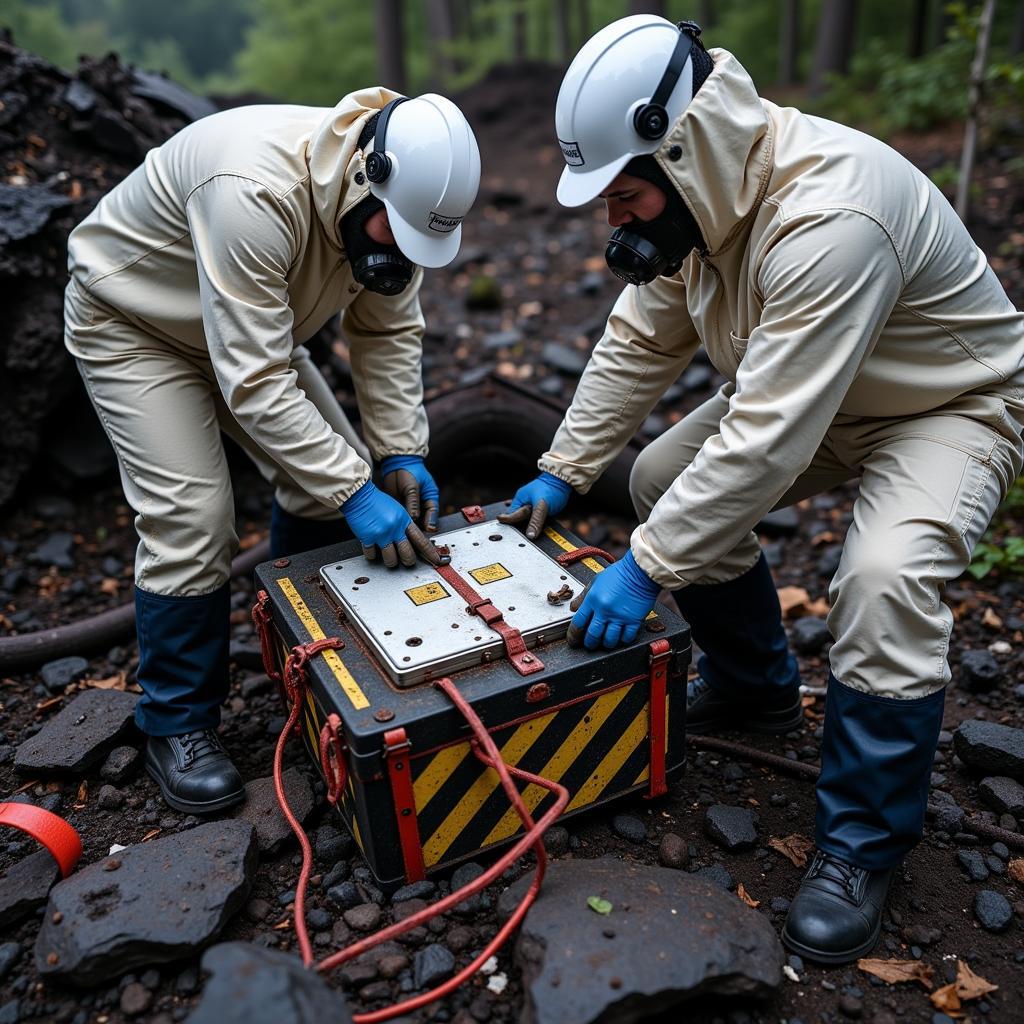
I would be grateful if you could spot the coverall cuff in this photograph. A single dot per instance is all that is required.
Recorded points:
(340, 497)
(653, 566)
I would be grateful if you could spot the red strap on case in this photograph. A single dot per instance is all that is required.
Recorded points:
(49, 829)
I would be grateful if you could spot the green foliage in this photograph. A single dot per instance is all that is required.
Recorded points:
(1005, 556)
(308, 51)
(40, 28)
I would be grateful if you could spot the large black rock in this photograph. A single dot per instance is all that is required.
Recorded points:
(670, 937)
(25, 886)
(79, 736)
(991, 747)
(264, 986)
(150, 903)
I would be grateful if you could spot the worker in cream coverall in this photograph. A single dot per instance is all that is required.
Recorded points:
(194, 285)
(862, 336)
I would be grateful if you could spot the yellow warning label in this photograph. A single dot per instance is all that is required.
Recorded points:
(427, 593)
(334, 663)
(490, 573)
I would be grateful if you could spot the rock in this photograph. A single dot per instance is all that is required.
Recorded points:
(556, 841)
(734, 828)
(993, 748)
(629, 827)
(263, 812)
(10, 1012)
(110, 798)
(264, 986)
(26, 886)
(809, 636)
(980, 671)
(718, 875)
(9, 954)
(80, 735)
(432, 964)
(58, 674)
(502, 339)
(828, 560)
(1003, 794)
(150, 903)
(992, 910)
(332, 845)
(168, 93)
(484, 293)
(463, 875)
(345, 895)
(673, 851)
(56, 549)
(24, 211)
(921, 935)
(783, 522)
(363, 918)
(422, 890)
(973, 864)
(565, 360)
(574, 973)
(696, 378)
(119, 764)
(135, 999)
(949, 819)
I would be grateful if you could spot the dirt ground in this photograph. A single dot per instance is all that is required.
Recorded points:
(542, 268)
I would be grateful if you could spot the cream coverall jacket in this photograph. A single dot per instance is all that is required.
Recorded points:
(862, 334)
(194, 284)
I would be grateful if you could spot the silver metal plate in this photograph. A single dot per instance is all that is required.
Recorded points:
(420, 628)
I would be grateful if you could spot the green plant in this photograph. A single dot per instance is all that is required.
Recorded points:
(1005, 556)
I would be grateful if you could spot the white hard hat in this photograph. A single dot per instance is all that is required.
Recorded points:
(425, 169)
(605, 115)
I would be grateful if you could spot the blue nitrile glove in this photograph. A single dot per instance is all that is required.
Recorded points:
(535, 501)
(613, 608)
(407, 479)
(381, 523)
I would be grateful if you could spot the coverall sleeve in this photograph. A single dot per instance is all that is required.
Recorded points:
(385, 334)
(245, 242)
(647, 343)
(828, 282)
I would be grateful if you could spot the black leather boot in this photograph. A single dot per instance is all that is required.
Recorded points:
(711, 710)
(194, 772)
(836, 915)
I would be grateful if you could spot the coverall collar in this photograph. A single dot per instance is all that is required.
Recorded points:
(727, 146)
(335, 160)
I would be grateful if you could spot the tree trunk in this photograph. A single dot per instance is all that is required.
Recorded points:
(519, 47)
(789, 42)
(441, 27)
(1017, 38)
(963, 185)
(562, 37)
(940, 23)
(639, 7)
(390, 44)
(583, 17)
(835, 42)
(707, 14)
(918, 29)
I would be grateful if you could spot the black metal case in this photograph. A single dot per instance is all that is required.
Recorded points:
(415, 798)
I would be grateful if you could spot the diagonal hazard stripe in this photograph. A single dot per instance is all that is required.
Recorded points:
(437, 772)
(515, 747)
(559, 762)
(612, 762)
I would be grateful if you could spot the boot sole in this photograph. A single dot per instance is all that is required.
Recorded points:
(193, 806)
(748, 725)
(821, 957)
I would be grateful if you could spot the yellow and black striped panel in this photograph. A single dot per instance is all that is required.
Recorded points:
(596, 748)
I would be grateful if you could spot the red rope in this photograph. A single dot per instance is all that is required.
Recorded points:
(485, 750)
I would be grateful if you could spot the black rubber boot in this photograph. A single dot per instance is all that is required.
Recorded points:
(836, 915)
(748, 679)
(194, 772)
(711, 710)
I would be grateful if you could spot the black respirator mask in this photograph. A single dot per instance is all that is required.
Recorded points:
(641, 251)
(378, 267)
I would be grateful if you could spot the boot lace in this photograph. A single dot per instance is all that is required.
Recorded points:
(199, 744)
(836, 870)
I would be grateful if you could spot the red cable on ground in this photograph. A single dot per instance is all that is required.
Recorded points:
(485, 750)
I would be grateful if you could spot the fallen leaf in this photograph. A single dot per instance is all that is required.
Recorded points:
(109, 586)
(991, 620)
(151, 834)
(250, 540)
(791, 598)
(282, 925)
(895, 971)
(746, 897)
(1015, 869)
(825, 537)
(795, 847)
(44, 704)
(967, 986)
(82, 797)
(598, 905)
(115, 682)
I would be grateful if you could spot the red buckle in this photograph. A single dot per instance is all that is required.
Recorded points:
(474, 514)
(486, 610)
